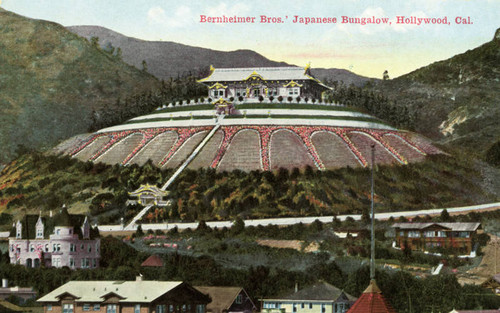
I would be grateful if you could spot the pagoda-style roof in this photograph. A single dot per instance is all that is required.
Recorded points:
(372, 301)
(262, 73)
(149, 189)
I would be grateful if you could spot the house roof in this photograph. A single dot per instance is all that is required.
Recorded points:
(321, 291)
(266, 73)
(6, 306)
(131, 291)
(153, 261)
(450, 226)
(372, 301)
(222, 297)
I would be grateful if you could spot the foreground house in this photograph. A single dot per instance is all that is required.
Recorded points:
(251, 83)
(68, 245)
(458, 237)
(318, 298)
(139, 296)
(228, 300)
(22, 293)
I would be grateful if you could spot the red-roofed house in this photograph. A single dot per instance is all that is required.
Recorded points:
(372, 301)
(153, 261)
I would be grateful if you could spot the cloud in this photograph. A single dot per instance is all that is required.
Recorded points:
(238, 9)
(182, 16)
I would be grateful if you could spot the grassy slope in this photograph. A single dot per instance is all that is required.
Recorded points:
(460, 93)
(51, 80)
(48, 182)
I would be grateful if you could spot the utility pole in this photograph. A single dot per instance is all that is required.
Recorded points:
(372, 257)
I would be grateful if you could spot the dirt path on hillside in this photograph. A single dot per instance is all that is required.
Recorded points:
(486, 268)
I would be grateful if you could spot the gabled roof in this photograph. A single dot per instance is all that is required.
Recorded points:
(153, 261)
(450, 226)
(318, 292)
(131, 291)
(265, 73)
(222, 297)
(372, 301)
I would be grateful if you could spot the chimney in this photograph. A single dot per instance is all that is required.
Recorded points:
(138, 278)
(5, 283)
(296, 286)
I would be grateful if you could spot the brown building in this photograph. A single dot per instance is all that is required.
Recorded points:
(459, 237)
(140, 296)
(228, 300)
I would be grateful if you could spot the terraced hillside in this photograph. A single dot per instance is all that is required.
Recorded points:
(260, 136)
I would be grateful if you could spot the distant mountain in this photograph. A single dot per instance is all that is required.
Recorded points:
(53, 82)
(166, 59)
(454, 100)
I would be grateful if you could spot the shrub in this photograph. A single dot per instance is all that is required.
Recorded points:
(271, 98)
(209, 100)
(290, 99)
(298, 99)
(231, 99)
(240, 99)
(261, 98)
(188, 101)
(280, 99)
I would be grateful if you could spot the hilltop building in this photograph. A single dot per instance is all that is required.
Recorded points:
(31, 246)
(424, 236)
(148, 195)
(139, 296)
(228, 300)
(318, 298)
(251, 83)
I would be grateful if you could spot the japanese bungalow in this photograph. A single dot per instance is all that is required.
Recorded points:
(228, 300)
(139, 296)
(318, 298)
(493, 283)
(427, 236)
(251, 83)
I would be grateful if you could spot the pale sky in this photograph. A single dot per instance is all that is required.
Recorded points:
(364, 49)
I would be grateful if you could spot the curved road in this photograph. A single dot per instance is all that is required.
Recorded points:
(305, 220)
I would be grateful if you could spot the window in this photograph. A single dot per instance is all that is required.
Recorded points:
(96, 247)
(200, 308)
(413, 234)
(294, 307)
(56, 262)
(160, 308)
(32, 247)
(171, 308)
(239, 299)
(137, 308)
(39, 233)
(441, 234)
(71, 262)
(49, 307)
(47, 247)
(323, 308)
(58, 231)
(68, 308)
(81, 246)
(302, 305)
(97, 307)
(86, 307)
(94, 262)
(110, 308)
(89, 248)
(72, 247)
(429, 234)
(310, 305)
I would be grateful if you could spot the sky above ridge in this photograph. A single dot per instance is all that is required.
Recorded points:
(398, 45)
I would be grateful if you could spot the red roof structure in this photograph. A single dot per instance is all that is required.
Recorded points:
(372, 301)
(153, 261)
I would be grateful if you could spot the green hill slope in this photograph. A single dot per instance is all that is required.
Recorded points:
(455, 100)
(52, 83)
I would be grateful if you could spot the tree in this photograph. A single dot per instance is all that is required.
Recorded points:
(445, 216)
(238, 226)
(385, 75)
